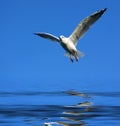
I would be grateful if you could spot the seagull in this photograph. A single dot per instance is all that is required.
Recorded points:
(69, 43)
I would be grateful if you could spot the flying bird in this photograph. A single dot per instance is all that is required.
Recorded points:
(69, 43)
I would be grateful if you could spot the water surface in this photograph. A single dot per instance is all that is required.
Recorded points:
(59, 108)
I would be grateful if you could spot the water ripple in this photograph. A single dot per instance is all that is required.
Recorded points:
(84, 112)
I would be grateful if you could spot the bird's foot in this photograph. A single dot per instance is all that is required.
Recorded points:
(76, 58)
(71, 60)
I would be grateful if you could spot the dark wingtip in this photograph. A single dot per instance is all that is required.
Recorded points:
(38, 34)
(104, 9)
(35, 33)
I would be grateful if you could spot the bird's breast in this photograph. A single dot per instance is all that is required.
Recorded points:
(68, 46)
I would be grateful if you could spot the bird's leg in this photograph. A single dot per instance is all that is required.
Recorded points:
(71, 58)
(76, 58)
(75, 55)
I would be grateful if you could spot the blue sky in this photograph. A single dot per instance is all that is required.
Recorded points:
(30, 62)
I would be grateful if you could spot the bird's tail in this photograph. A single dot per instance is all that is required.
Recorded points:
(79, 54)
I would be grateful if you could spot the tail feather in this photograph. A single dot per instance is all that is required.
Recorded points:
(79, 55)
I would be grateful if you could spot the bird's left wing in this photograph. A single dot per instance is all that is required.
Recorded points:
(84, 25)
(48, 36)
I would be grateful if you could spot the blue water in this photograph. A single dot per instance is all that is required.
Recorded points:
(59, 108)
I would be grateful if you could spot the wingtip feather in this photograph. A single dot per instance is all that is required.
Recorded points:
(36, 33)
(104, 10)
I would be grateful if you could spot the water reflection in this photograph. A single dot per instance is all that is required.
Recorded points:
(84, 112)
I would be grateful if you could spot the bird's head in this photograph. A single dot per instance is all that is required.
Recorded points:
(61, 37)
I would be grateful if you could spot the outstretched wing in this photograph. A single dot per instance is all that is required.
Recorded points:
(48, 36)
(84, 25)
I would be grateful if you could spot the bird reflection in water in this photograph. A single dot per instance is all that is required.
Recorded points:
(73, 115)
(80, 109)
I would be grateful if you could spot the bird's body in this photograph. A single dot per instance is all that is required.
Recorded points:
(70, 43)
(69, 46)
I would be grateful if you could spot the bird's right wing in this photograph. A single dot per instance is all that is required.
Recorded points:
(48, 36)
(84, 25)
